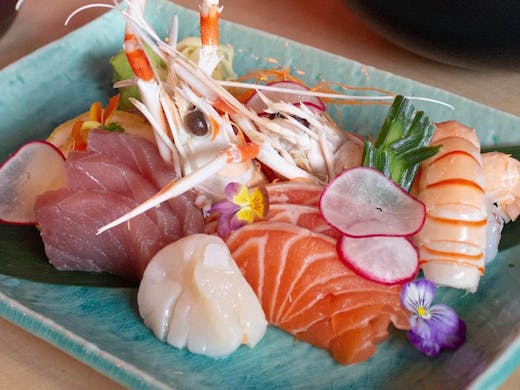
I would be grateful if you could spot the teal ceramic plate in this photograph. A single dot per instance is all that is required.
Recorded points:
(101, 327)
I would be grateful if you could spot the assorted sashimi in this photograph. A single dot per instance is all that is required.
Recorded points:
(308, 217)
(319, 233)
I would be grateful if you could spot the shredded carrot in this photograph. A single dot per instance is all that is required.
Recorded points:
(223, 106)
(110, 108)
(95, 112)
(78, 137)
(268, 76)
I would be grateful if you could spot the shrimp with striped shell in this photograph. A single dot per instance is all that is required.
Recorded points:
(460, 188)
(451, 184)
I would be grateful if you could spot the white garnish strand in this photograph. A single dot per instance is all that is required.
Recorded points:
(325, 95)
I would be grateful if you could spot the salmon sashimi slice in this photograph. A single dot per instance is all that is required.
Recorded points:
(353, 335)
(295, 192)
(305, 216)
(305, 289)
(292, 202)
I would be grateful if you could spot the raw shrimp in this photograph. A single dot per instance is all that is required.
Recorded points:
(190, 97)
(452, 241)
(502, 173)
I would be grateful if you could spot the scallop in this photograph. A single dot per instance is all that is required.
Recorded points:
(193, 295)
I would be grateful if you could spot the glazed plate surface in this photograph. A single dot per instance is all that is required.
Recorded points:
(101, 326)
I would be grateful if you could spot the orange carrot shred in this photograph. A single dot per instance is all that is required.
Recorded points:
(78, 137)
(110, 108)
(95, 112)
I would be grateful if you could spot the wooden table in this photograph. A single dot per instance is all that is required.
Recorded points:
(28, 362)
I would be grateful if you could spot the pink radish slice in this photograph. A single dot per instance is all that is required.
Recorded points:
(362, 202)
(38, 166)
(387, 260)
(256, 103)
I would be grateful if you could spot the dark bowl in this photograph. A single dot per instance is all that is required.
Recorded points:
(471, 33)
(7, 15)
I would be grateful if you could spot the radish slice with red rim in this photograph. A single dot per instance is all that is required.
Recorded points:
(37, 167)
(387, 260)
(256, 103)
(362, 202)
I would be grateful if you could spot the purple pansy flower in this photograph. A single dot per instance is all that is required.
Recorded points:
(432, 328)
(242, 206)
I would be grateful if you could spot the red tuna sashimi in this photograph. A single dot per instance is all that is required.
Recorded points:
(307, 291)
(142, 156)
(69, 219)
(98, 172)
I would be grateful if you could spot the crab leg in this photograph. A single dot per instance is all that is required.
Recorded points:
(233, 155)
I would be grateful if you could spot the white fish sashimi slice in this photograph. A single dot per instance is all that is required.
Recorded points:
(193, 295)
(37, 167)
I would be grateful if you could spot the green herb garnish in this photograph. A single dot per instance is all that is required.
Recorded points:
(402, 143)
(113, 126)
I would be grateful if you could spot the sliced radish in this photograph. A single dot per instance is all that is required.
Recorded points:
(362, 202)
(256, 103)
(387, 260)
(36, 167)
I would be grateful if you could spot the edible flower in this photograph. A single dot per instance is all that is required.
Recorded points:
(241, 207)
(97, 118)
(432, 328)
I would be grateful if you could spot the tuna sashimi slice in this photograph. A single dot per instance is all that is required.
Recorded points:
(142, 156)
(117, 173)
(99, 172)
(303, 286)
(68, 222)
